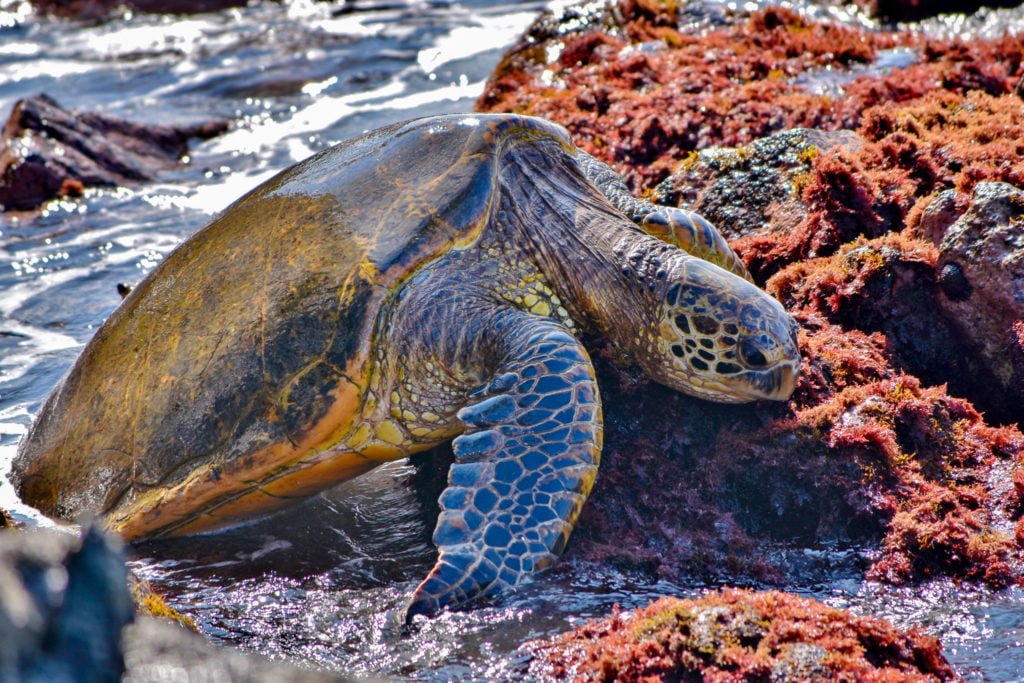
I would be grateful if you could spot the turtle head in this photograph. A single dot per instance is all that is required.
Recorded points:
(720, 337)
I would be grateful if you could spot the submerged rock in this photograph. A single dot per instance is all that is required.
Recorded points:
(48, 152)
(737, 635)
(158, 651)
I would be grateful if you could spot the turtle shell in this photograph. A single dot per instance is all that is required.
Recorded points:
(248, 348)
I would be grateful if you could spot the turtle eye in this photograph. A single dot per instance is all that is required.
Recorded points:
(751, 355)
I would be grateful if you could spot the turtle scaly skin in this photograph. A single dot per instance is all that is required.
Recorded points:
(425, 282)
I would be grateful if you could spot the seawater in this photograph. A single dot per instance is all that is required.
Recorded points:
(322, 584)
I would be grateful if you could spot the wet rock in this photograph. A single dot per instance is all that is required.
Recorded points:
(6, 522)
(737, 635)
(101, 9)
(155, 650)
(67, 613)
(63, 603)
(48, 152)
(981, 261)
(753, 190)
(864, 455)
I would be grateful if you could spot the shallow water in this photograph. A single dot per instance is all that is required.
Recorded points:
(320, 584)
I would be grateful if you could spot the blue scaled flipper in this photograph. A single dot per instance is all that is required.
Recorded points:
(522, 472)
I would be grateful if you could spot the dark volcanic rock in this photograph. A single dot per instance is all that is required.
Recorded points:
(99, 9)
(63, 603)
(756, 189)
(48, 152)
(981, 266)
(734, 636)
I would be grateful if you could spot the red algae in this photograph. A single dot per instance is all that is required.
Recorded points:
(881, 444)
(738, 635)
(643, 111)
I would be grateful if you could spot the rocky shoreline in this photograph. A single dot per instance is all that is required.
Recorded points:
(870, 179)
(48, 152)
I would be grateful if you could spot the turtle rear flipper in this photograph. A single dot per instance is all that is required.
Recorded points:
(522, 471)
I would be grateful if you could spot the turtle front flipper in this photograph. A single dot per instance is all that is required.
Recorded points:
(692, 233)
(687, 230)
(522, 472)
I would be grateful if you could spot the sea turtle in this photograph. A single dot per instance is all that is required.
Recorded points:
(423, 282)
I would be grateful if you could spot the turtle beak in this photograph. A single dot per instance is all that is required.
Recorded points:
(779, 382)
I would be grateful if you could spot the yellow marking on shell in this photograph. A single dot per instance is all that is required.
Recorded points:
(389, 432)
(430, 417)
(420, 431)
(530, 300)
(408, 415)
(396, 412)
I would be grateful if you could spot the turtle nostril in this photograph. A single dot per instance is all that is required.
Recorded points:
(752, 356)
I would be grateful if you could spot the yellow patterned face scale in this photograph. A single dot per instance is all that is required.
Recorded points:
(424, 282)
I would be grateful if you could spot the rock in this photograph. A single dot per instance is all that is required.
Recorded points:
(981, 265)
(101, 9)
(738, 635)
(48, 152)
(66, 615)
(155, 650)
(753, 190)
(6, 522)
(63, 603)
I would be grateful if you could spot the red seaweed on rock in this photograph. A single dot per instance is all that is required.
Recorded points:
(643, 94)
(881, 445)
(735, 635)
